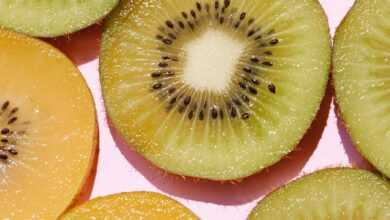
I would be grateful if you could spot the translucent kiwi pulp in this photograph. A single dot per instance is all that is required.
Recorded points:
(134, 206)
(335, 194)
(214, 89)
(362, 79)
(48, 130)
(51, 18)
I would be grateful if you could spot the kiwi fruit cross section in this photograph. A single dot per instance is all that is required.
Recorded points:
(336, 194)
(362, 79)
(48, 136)
(214, 89)
(52, 18)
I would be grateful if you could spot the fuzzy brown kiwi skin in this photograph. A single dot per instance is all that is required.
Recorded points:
(339, 110)
(236, 180)
(306, 175)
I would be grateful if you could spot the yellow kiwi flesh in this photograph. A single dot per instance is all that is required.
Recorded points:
(134, 206)
(48, 129)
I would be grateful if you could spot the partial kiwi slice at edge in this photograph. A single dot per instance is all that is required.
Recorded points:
(362, 79)
(214, 89)
(48, 130)
(54, 17)
(340, 193)
(134, 205)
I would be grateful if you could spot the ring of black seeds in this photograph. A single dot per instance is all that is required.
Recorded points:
(250, 84)
(10, 131)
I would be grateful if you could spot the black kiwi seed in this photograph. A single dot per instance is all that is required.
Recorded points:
(12, 120)
(191, 25)
(254, 59)
(245, 98)
(4, 140)
(272, 88)
(3, 156)
(199, 6)
(193, 14)
(216, 5)
(242, 85)
(173, 100)
(181, 24)
(237, 102)
(159, 37)
(242, 16)
(251, 21)
(274, 41)
(245, 116)
(251, 33)
(252, 91)
(221, 20)
(226, 3)
(157, 86)
(247, 69)
(163, 65)
(214, 113)
(5, 105)
(172, 90)
(221, 114)
(269, 53)
(184, 15)
(258, 37)
(167, 41)
(268, 63)
(13, 151)
(155, 75)
(233, 112)
(255, 81)
(187, 100)
(207, 8)
(191, 114)
(201, 115)
(237, 25)
(169, 24)
(5, 131)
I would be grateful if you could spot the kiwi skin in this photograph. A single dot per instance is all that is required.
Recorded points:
(339, 111)
(107, 34)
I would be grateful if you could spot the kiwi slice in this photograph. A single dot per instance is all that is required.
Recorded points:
(48, 129)
(341, 193)
(214, 89)
(54, 17)
(135, 206)
(362, 79)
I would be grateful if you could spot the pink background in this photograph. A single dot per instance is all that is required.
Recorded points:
(121, 169)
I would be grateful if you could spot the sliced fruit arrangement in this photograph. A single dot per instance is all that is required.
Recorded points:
(329, 194)
(48, 130)
(135, 206)
(362, 79)
(52, 18)
(214, 89)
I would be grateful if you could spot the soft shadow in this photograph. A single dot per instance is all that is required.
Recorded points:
(81, 47)
(354, 157)
(232, 193)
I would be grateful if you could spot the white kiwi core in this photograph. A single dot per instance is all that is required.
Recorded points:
(211, 60)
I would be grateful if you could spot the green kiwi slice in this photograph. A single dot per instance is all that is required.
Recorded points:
(214, 89)
(362, 79)
(52, 18)
(341, 193)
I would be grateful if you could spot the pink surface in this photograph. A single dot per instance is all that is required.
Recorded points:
(121, 169)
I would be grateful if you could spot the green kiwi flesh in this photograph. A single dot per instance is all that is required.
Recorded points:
(335, 194)
(362, 79)
(157, 55)
(52, 18)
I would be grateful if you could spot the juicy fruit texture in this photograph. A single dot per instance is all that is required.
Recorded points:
(135, 206)
(362, 79)
(47, 126)
(335, 194)
(214, 89)
(52, 18)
